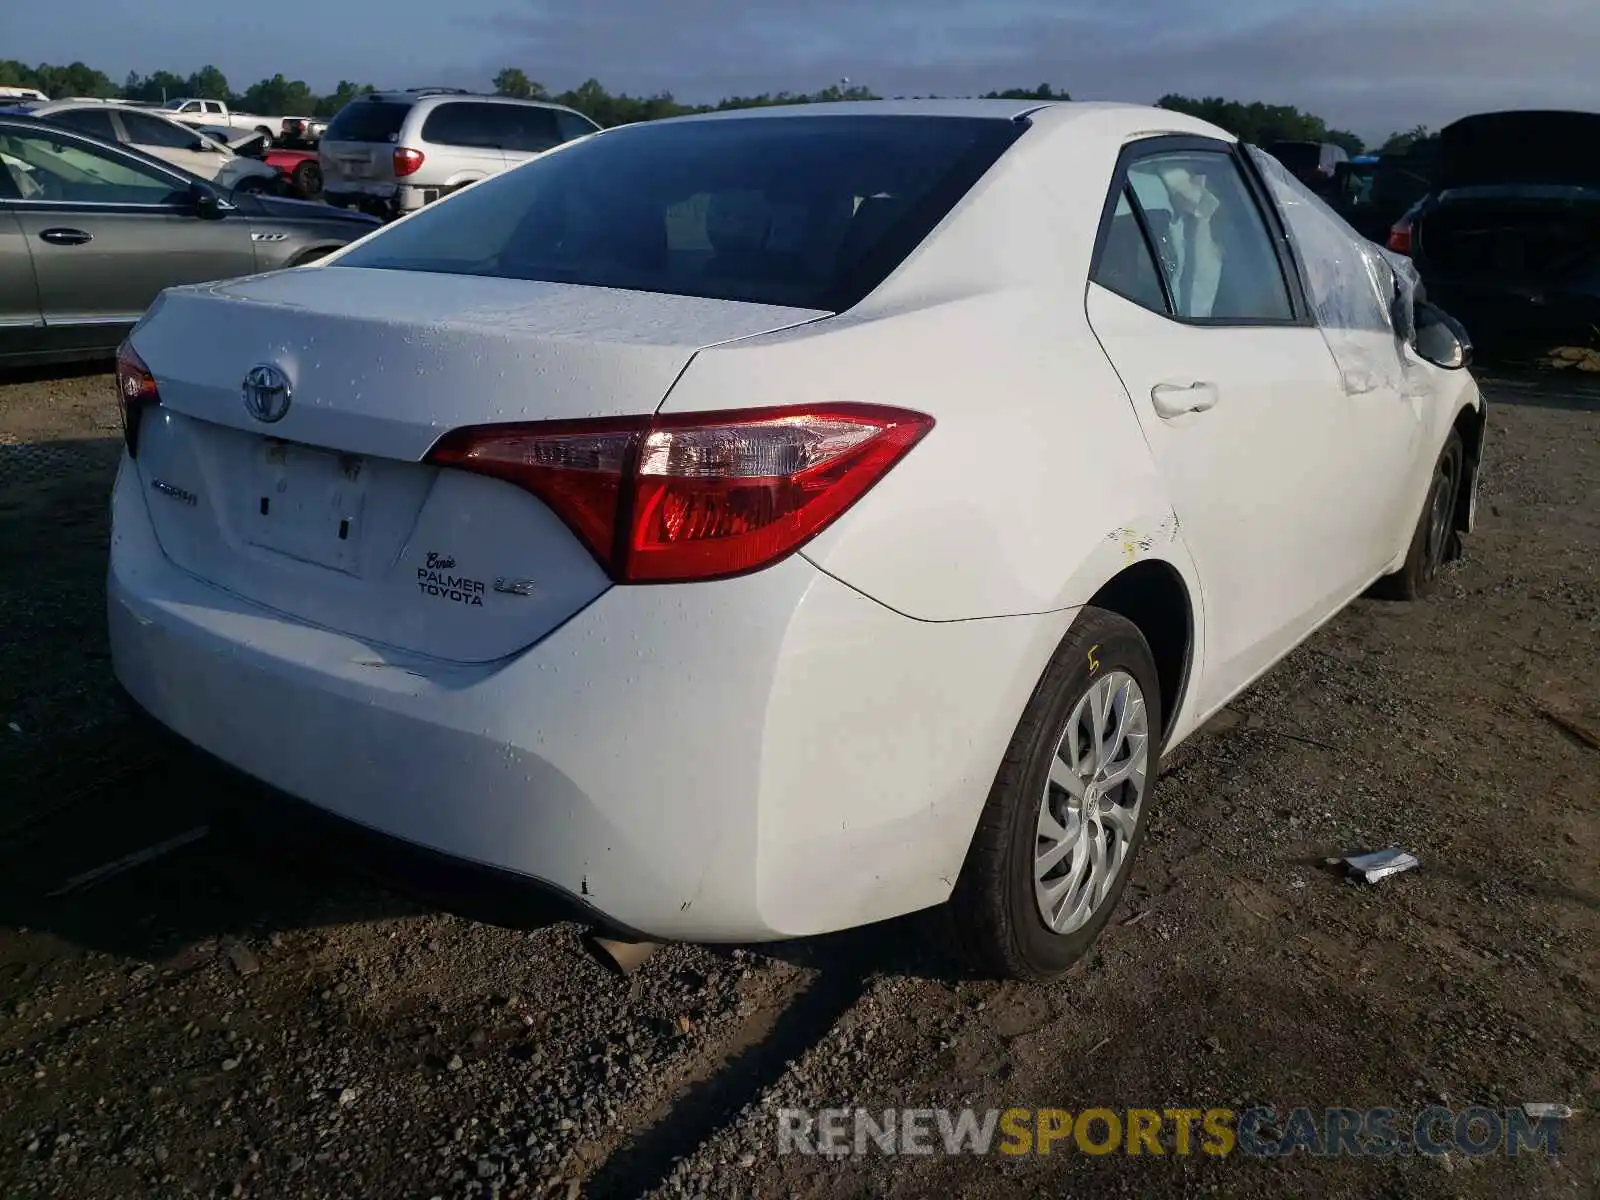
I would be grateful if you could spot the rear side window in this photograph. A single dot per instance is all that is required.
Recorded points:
(368, 121)
(1211, 241)
(94, 122)
(153, 131)
(811, 212)
(1125, 264)
(572, 125)
(463, 123)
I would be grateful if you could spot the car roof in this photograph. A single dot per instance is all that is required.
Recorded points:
(424, 95)
(27, 122)
(1094, 118)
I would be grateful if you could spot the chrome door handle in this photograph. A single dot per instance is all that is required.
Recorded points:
(65, 237)
(1175, 399)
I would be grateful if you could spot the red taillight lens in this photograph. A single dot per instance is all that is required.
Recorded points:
(406, 162)
(1400, 237)
(136, 391)
(704, 496)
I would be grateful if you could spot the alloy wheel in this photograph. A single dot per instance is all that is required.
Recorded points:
(1090, 809)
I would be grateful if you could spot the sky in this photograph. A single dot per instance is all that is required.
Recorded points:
(1365, 65)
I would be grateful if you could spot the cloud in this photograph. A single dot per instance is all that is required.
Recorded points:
(1359, 64)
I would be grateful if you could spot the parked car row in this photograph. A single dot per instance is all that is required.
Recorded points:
(394, 152)
(1500, 214)
(1508, 235)
(92, 230)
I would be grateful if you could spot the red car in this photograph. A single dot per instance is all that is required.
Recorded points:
(298, 168)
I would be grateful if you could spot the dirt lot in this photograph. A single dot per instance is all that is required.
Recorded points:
(244, 1016)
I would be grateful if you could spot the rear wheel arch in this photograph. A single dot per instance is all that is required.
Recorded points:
(312, 255)
(1153, 596)
(1469, 424)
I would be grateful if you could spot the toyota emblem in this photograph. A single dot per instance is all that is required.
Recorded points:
(266, 392)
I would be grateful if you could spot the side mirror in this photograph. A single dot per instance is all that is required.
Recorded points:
(1441, 339)
(208, 204)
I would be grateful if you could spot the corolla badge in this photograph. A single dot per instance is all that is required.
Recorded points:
(266, 392)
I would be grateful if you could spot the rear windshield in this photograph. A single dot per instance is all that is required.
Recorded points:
(810, 212)
(367, 121)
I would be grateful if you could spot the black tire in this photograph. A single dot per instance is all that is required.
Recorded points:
(993, 913)
(1436, 540)
(307, 180)
(251, 185)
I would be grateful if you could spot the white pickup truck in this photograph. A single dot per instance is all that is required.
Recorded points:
(215, 113)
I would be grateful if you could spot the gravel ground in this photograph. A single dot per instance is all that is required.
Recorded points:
(245, 1015)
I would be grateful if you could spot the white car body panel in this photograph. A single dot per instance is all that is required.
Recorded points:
(806, 747)
(669, 793)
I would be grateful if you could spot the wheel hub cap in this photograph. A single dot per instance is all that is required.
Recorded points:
(1091, 803)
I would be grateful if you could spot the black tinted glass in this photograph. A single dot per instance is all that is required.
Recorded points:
(367, 121)
(463, 123)
(572, 125)
(94, 122)
(528, 128)
(152, 131)
(812, 212)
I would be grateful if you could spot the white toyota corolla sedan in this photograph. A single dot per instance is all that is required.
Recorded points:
(766, 523)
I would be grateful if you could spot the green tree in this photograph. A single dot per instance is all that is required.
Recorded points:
(1401, 143)
(208, 83)
(514, 81)
(1255, 122)
(277, 97)
(156, 88)
(1043, 92)
(329, 105)
(1350, 142)
(76, 79)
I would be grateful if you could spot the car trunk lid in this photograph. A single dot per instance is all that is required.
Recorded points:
(330, 513)
(1492, 149)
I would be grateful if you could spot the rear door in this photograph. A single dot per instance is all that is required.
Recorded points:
(20, 319)
(464, 139)
(1238, 396)
(528, 131)
(108, 231)
(170, 142)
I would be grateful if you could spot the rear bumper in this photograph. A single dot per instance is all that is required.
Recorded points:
(387, 200)
(762, 757)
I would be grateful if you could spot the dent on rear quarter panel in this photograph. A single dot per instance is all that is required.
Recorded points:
(1006, 506)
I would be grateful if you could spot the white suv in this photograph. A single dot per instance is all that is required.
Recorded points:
(393, 152)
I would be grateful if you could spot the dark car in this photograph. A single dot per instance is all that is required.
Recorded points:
(1313, 163)
(1508, 239)
(1374, 192)
(91, 233)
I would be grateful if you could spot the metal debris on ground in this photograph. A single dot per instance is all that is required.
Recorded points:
(1380, 864)
(1559, 1112)
(243, 958)
(1564, 358)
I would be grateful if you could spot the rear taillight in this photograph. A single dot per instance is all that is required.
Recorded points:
(136, 391)
(700, 496)
(1400, 237)
(406, 161)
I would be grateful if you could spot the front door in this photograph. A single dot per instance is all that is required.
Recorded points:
(1237, 395)
(19, 298)
(107, 232)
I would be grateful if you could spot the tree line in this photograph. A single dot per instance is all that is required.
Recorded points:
(278, 96)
